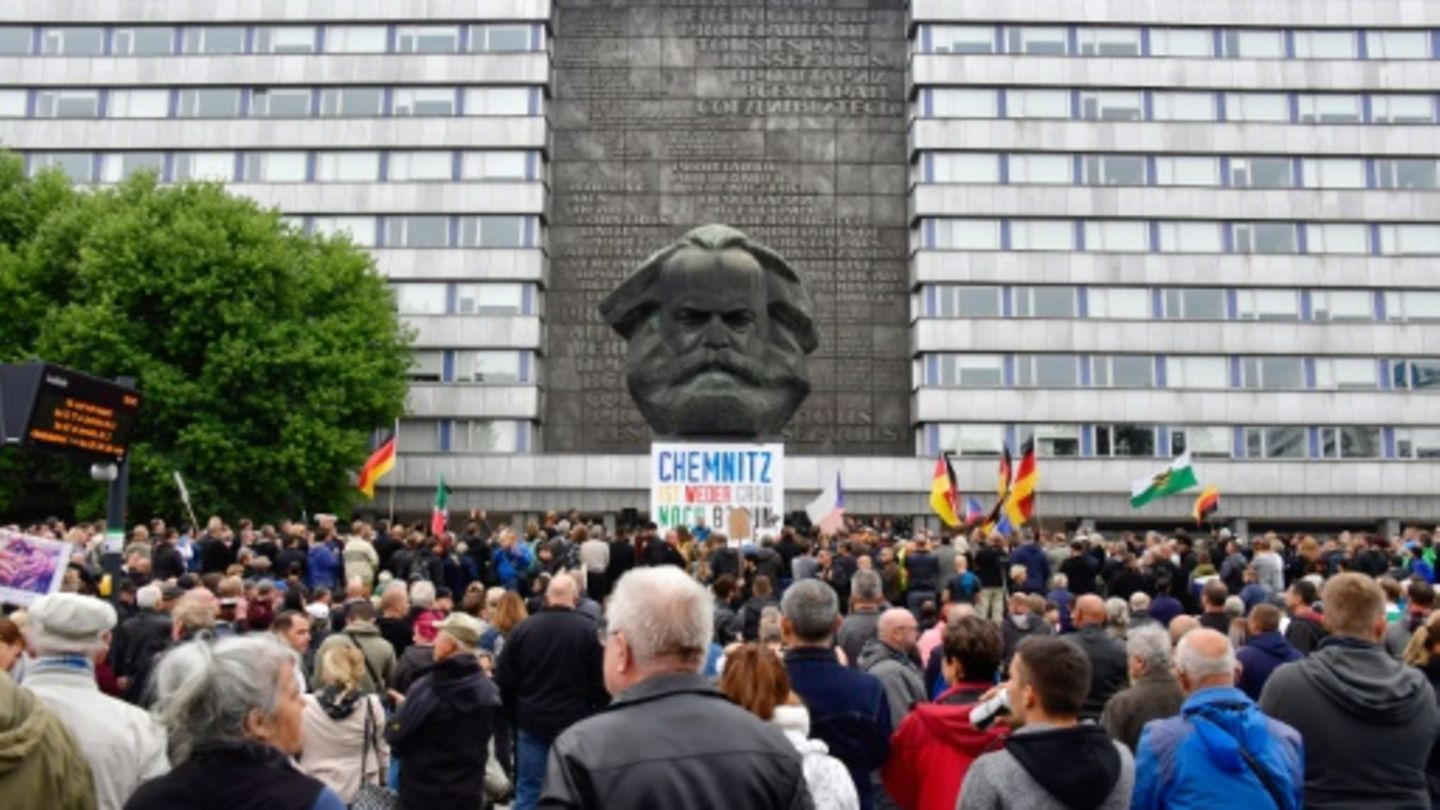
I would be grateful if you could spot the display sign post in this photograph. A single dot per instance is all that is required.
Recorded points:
(734, 488)
(52, 409)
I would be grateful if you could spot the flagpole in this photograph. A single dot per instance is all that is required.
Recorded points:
(394, 481)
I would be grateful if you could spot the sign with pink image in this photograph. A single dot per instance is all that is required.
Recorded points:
(30, 567)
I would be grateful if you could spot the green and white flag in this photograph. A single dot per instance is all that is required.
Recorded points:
(1178, 477)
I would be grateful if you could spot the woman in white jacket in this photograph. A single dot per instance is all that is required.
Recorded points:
(755, 678)
(344, 726)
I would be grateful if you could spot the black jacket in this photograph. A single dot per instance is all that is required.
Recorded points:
(1109, 668)
(166, 562)
(215, 555)
(245, 776)
(442, 733)
(923, 570)
(550, 672)
(750, 615)
(684, 745)
(136, 640)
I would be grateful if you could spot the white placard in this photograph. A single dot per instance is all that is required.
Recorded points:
(736, 488)
(30, 567)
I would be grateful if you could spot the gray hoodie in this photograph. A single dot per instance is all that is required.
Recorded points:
(903, 681)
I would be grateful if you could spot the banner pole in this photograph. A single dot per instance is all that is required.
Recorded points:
(395, 481)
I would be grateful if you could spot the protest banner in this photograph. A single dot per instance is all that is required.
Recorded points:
(30, 567)
(735, 488)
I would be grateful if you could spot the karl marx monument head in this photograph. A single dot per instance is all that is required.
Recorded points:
(718, 329)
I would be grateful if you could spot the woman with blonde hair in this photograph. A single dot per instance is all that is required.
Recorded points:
(344, 727)
(1423, 649)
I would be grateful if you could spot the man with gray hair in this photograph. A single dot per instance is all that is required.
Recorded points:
(866, 601)
(1221, 751)
(669, 739)
(1153, 691)
(139, 637)
(1140, 611)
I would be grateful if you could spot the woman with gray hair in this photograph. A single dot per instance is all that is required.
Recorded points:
(234, 715)
(1117, 617)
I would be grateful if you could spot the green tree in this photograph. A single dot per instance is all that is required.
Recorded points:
(265, 357)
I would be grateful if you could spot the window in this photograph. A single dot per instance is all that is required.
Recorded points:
(490, 299)
(1047, 370)
(1276, 172)
(498, 101)
(499, 37)
(1342, 305)
(144, 41)
(355, 39)
(347, 167)
(419, 436)
(276, 167)
(1114, 170)
(1397, 44)
(965, 167)
(1406, 174)
(954, 301)
(215, 39)
(425, 101)
(1042, 234)
(359, 230)
(1109, 41)
(1410, 240)
(962, 39)
(119, 165)
(1045, 302)
(12, 103)
(1194, 304)
(968, 370)
(16, 40)
(1184, 42)
(492, 232)
(1329, 108)
(138, 104)
(417, 232)
(1052, 441)
(281, 102)
(1412, 305)
(967, 234)
(73, 42)
(1200, 372)
(78, 167)
(1413, 109)
(1326, 45)
(972, 440)
(1041, 170)
(1111, 105)
(1268, 305)
(1171, 105)
(218, 166)
(421, 299)
(67, 104)
(1128, 303)
(427, 39)
(223, 102)
(1286, 441)
(494, 166)
(1191, 237)
(1187, 171)
(487, 367)
(1272, 373)
(1337, 238)
(282, 39)
(1037, 103)
(1209, 441)
(1269, 238)
(1419, 374)
(1125, 440)
(409, 167)
(426, 366)
(1333, 172)
(1417, 442)
(955, 103)
(1257, 107)
(1350, 442)
(349, 102)
(1117, 236)
(1346, 374)
(484, 436)
(1035, 40)
(1122, 371)
(1249, 43)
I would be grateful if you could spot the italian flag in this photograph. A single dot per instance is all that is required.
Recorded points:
(1178, 477)
(440, 517)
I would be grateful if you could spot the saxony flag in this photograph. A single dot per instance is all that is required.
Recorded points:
(1178, 477)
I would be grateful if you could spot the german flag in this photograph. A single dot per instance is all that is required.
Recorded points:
(1206, 505)
(1020, 506)
(380, 462)
(944, 495)
(1002, 490)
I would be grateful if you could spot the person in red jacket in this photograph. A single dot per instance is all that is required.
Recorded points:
(936, 743)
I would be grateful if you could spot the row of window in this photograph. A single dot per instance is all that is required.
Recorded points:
(487, 366)
(1120, 104)
(269, 102)
(1178, 236)
(393, 166)
(1260, 373)
(465, 436)
(1204, 441)
(423, 231)
(477, 298)
(229, 40)
(1191, 43)
(1213, 171)
(1176, 303)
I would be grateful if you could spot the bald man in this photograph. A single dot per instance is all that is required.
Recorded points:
(890, 656)
(1109, 665)
(1180, 625)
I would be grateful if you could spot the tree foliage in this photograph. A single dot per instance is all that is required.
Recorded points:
(265, 357)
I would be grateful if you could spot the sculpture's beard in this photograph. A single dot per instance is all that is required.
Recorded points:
(708, 392)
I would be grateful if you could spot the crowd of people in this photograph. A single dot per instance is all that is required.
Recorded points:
(561, 664)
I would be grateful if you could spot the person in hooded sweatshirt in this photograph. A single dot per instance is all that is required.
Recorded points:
(762, 595)
(1368, 721)
(1020, 623)
(1052, 761)
(890, 656)
(1265, 650)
